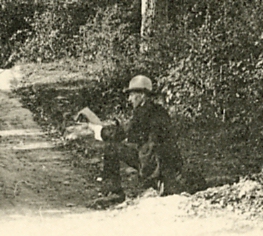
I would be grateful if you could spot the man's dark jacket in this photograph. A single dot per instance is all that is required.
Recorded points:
(151, 123)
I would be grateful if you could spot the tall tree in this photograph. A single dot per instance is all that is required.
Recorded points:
(148, 10)
(154, 13)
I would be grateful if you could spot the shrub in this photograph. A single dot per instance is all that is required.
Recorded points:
(213, 73)
(48, 39)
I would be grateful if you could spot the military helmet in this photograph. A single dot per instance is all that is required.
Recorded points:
(140, 83)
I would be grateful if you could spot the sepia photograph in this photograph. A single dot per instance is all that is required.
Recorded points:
(131, 117)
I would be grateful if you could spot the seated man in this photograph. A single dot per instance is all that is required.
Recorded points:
(146, 143)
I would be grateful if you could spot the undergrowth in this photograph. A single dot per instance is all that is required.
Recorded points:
(223, 152)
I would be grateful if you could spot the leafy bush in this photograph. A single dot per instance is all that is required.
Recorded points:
(48, 39)
(47, 26)
(215, 72)
(12, 19)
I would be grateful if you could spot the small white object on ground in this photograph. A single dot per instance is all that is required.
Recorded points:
(99, 179)
(82, 130)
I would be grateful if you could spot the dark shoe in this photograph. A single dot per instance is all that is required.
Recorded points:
(106, 201)
(112, 185)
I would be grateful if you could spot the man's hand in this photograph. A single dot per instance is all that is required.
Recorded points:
(113, 133)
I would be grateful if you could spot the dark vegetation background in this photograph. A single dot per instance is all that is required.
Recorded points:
(206, 62)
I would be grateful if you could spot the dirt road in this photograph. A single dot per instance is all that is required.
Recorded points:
(41, 193)
(34, 173)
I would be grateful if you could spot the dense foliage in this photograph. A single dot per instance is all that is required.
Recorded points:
(206, 60)
(220, 61)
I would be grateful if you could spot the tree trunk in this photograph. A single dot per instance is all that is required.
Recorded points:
(148, 9)
(154, 14)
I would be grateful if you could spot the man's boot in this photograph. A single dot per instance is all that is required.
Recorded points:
(111, 194)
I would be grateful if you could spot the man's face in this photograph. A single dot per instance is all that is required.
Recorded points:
(136, 98)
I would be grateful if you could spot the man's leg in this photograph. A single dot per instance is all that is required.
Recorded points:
(111, 186)
(171, 170)
(173, 183)
(111, 170)
(113, 154)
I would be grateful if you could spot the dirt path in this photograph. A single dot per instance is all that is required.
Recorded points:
(41, 193)
(33, 172)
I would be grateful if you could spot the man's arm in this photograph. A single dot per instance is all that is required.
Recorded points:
(113, 133)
